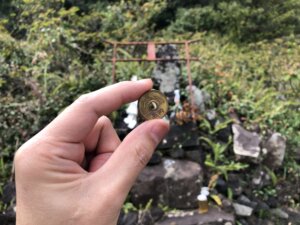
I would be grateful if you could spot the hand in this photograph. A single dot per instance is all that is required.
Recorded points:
(52, 186)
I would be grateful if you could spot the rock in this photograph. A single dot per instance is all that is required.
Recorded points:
(9, 193)
(279, 213)
(232, 114)
(228, 223)
(265, 222)
(149, 217)
(261, 178)
(224, 134)
(221, 186)
(253, 220)
(174, 183)
(128, 218)
(142, 217)
(245, 143)
(8, 217)
(227, 205)
(261, 206)
(155, 159)
(275, 146)
(244, 200)
(272, 202)
(243, 221)
(257, 178)
(214, 216)
(196, 155)
(176, 153)
(181, 136)
(156, 213)
(242, 210)
(255, 128)
(234, 183)
(294, 215)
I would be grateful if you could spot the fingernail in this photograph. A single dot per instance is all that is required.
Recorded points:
(159, 130)
(144, 81)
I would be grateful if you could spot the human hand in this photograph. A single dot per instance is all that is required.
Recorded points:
(52, 186)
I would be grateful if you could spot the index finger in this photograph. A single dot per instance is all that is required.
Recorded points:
(77, 120)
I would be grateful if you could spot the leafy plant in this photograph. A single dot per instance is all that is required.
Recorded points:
(128, 207)
(53, 51)
(218, 162)
(212, 130)
(265, 192)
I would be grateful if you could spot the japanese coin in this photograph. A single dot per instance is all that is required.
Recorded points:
(152, 105)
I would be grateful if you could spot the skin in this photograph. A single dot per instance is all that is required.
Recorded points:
(52, 186)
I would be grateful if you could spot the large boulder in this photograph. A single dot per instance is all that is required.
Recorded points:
(173, 183)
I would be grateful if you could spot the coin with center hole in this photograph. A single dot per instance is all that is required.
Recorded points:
(152, 105)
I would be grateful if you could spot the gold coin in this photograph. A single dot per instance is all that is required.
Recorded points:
(152, 105)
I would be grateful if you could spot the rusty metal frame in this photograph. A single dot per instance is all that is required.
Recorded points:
(187, 59)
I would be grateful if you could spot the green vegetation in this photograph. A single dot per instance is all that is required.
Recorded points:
(218, 162)
(53, 51)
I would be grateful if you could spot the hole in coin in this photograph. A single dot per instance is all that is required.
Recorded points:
(152, 106)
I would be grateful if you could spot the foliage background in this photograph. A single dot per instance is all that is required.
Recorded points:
(53, 51)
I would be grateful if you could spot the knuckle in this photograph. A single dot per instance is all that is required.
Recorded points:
(105, 121)
(19, 156)
(24, 151)
(83, 98)
(27, 154)
(21, 159)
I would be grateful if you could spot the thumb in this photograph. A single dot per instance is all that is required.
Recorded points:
(132, 156)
